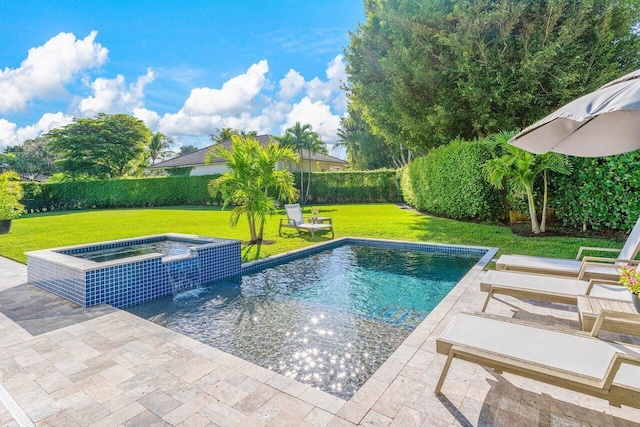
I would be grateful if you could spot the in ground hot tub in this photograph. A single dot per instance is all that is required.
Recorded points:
(130, 271)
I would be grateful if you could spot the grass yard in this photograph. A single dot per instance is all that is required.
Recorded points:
(386, 221)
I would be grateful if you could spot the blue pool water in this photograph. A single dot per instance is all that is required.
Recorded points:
(166, 247)
(328, 320)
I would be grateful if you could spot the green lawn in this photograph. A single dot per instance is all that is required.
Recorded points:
(386, 221)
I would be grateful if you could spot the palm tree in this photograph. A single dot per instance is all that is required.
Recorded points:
(223, 134)
(248, 133)
(186, 149)
(301, 137)
(550, 162)
(159, 147)
(349, 135)
(251, 179)
(519, 170)
(314, 145)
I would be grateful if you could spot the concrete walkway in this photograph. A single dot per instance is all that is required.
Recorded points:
(71, 366)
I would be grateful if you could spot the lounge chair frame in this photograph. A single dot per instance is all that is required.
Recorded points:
(603, 388)
(559, 297)
(626, 255)
(302, 226)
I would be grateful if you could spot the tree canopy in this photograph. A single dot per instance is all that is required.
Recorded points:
(302, 138)
(107, 146)
(424, 72)
(159, 147)
(186, 149)
(225, 134)
(32, 158)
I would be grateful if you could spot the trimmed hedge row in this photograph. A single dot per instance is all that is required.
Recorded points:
(354, 187)
(326, 187)
(600, 192)
(191, 190)
(450, 181)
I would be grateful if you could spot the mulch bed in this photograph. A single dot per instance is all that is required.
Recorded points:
(524, 230)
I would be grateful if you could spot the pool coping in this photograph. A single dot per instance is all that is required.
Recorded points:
(55, 255)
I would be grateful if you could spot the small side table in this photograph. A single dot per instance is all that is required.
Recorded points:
(321, 220)
(590, 307)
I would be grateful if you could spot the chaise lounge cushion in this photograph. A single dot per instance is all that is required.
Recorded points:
(536, 283)
(559, 351)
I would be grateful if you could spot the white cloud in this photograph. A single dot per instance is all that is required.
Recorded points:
(318, 115)
(247, 101)
(7, 133)
(329, 90)
(291, 85)
(150, 118)
(182, 123)
(114, 96)
(336, 69)
(235, 97)
(47, 122)
(48, 68)
(10, 134)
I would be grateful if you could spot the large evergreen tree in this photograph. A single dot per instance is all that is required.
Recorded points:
(427, 71)
(107, 146)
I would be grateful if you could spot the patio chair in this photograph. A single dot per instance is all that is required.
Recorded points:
(549, 288)
(585, 268)
(569, 359)
(296, 220)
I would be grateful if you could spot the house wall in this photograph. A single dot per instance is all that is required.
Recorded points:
(212, 169)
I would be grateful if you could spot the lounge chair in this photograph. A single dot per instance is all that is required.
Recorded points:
(570, 359)
(296, 220)
(549, 288)
(585, 268)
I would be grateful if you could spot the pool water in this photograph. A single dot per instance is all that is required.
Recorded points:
(165, 247)
(328, 320)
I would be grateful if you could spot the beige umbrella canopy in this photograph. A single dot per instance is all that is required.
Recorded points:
(602, 123)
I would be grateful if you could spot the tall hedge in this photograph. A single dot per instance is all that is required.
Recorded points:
(354, 187)
(600, 192)
(188, 190)
(450, 181)
(326, 187)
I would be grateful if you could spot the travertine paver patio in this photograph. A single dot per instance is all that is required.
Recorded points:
(71, 366)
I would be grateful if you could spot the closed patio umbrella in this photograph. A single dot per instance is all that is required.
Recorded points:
(602, 123)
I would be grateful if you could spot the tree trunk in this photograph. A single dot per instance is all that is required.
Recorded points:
(306, 198)
(535, 228)
(543, 221)
(301, 180)
(354, 157)
(252, 228)
(261, 231)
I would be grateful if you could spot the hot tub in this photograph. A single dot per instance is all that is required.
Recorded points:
(130, 271)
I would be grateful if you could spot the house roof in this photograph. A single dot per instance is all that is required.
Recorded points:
(196, 158)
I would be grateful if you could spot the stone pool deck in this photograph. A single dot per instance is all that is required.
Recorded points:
(69, 366)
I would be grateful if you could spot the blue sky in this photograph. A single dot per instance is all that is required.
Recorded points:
(185, 68)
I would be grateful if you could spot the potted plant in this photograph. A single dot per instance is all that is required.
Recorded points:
(630, 278)
(10, 196)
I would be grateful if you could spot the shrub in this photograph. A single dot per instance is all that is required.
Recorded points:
(377, 186)
(10, 194)
(188, 190)
(450, 181)
(600, 193)
(326, 187)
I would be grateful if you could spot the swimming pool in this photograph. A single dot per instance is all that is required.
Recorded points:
(328, 319)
